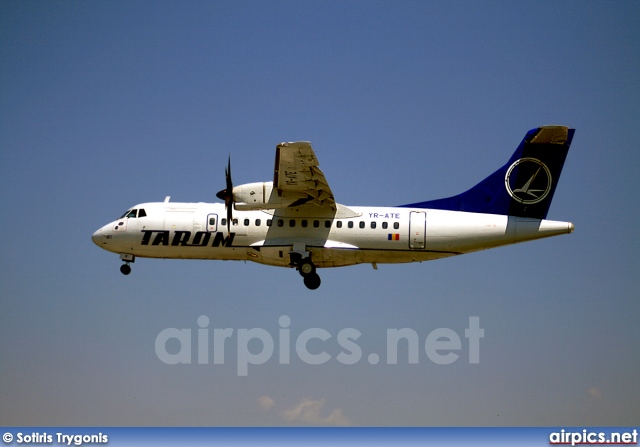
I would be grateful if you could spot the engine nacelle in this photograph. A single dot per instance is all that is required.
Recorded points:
(252, 195)
(262, 196)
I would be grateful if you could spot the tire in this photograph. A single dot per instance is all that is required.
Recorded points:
(307, 268)
(312, 281)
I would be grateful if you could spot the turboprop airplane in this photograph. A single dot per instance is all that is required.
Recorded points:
(295, 221)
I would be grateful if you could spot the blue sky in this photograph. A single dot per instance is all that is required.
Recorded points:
(107, 104)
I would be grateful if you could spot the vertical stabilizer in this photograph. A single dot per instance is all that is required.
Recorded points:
(524, 186)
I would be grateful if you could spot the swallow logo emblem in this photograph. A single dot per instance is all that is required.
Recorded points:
(528, 181)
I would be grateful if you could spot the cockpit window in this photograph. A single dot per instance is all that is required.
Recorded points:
(132, 213)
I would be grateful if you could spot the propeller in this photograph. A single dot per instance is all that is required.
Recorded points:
(227, 195)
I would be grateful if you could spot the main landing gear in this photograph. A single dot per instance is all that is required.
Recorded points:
(312, 281)
(308, 272)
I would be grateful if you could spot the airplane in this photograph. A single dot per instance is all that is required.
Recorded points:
(294, 221)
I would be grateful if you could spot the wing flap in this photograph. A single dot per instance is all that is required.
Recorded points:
(297, 176)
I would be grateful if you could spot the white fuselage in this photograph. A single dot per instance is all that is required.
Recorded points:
(372, 235)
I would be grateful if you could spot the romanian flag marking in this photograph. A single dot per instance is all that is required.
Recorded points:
(394, 236)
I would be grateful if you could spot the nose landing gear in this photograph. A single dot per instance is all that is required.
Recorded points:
(125, 268)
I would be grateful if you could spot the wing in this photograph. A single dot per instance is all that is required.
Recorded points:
(298, 178)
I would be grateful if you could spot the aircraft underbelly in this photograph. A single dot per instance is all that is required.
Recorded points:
(218, 253)
(335, 257)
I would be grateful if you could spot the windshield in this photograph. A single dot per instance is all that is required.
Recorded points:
(132, 214)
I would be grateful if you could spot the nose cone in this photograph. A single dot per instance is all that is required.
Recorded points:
(98, 237)
(104, 238)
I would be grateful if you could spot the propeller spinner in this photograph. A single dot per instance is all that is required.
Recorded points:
(227, 195)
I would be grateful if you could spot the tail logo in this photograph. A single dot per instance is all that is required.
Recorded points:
(530, 183)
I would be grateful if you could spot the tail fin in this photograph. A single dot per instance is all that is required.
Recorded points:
(524, 186)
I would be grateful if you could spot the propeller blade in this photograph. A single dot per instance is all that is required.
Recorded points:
(227, 173)
(227, 194)
(229, 201)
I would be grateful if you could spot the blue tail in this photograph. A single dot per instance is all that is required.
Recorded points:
(524, 186)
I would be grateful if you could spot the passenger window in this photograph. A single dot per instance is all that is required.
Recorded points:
(292, 223)
(212, 221)
(132, 214)
(280, 222)
(361, 224)
(141, 213)
(396, 225)
(373, 225)
(384, 225)
(269, 222)
(316, 224)
(235, 222)
(223, 222)
(350, 224)
(304, 223)
(339, 224)
(258, 222)
(246, 222)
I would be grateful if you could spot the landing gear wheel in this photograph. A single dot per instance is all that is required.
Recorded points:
(306, 267)
(125, 269)
(312, 281)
